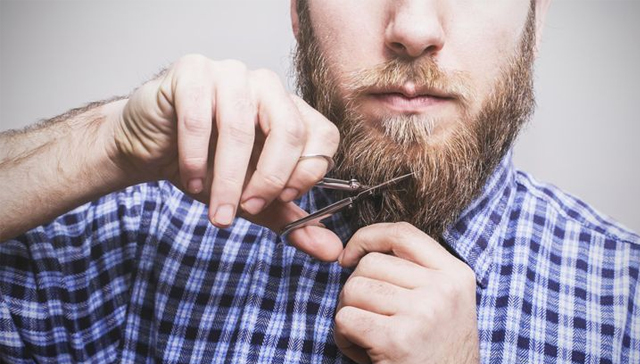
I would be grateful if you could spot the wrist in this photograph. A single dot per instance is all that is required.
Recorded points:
(113, 142)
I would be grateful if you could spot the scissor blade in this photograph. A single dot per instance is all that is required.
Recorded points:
(319, 215)
(369, 191)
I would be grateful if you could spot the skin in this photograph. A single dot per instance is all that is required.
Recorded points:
(232, 137)
(227, 136)
(409, 300)
(468, 37)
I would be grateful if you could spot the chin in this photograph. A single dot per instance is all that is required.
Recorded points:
(411, 130)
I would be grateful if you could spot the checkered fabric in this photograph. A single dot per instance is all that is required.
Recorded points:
(141, 276)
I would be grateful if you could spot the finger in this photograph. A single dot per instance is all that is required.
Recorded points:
(235, 121)
(354, 352)
(391, 269)
(281, 122)
(372, 295)
(319, 242)
(401, 239)
(355, 326)
(322, 139)
(194, 104)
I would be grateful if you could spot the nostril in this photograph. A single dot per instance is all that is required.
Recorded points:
(397, 46)
(432, 50)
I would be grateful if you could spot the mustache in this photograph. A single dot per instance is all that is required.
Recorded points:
(425, 74)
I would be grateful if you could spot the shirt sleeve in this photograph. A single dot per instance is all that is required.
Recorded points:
(64, 286)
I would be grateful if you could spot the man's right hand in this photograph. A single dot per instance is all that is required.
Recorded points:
(232, 138)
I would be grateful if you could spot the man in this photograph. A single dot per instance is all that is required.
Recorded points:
(468, 261)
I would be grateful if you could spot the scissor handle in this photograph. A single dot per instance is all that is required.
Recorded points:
(318, 215)
(339, 184)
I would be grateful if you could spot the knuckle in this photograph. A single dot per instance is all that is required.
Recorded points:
(294, 133)
(343, 318)
(428, 312)
(196, 124)
(266, 75)
(346, 295)
(330, 134)
(381, 289)
(468, 276)
(229, 182)
(232, 65)
(297, 99)
(401, 229)
(164, 88)
(353, 286)
(436, 311)
(237, 133)
(191, 58)
(370, 261)
(404, 227)
(449, 290)
(244, 104)
(307, 175)
(273, 181)
(401, 340)
(192, 164)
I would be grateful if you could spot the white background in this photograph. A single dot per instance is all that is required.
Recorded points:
(56, 55)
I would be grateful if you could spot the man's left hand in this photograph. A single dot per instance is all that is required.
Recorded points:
(408, 300)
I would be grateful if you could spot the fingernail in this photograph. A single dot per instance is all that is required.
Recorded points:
(224, 215)
(289, 194)
(340, 257)
(253, 205)
(195, 185)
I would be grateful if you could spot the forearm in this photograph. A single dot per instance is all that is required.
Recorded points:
(48, 170)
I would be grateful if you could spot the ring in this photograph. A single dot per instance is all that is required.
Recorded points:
(325, 157)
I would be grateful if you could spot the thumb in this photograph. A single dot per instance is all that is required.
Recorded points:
(317, 241)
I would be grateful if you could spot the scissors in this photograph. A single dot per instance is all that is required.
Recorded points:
(342, 185)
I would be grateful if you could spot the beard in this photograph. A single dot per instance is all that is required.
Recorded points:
(450, 163)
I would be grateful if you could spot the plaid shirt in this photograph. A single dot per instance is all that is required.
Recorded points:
(141, 276)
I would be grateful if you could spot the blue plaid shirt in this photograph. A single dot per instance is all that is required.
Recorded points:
(141, 276)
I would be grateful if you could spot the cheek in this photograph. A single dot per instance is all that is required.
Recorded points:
(482, 48)
(350, 38)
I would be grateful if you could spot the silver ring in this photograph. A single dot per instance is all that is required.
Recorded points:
(325, 157)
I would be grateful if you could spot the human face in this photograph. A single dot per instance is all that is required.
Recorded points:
(435, 88)
(465, 38)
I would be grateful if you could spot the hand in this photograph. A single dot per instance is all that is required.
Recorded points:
(232, 138)
(414, 304)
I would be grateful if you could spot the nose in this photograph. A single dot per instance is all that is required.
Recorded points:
(414, 28)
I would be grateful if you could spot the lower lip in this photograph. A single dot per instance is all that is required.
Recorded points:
(401, 103)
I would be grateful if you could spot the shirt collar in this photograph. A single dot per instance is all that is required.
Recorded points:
(473, 236)
(479, 229)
